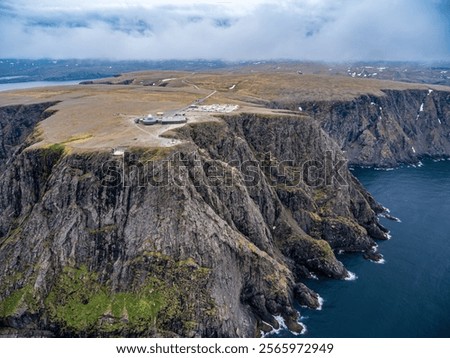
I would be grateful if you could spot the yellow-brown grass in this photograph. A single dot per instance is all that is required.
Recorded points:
(101, 116)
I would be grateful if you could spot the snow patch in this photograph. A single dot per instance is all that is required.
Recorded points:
(413, 149)
(421, 107)
(232, 87)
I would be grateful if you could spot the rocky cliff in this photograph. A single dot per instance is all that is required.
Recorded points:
(16, 124)
(208, 238)
(402, 126)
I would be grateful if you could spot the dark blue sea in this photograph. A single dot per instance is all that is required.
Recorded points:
(408, 295)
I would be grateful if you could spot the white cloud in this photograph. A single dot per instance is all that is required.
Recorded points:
(303, 29)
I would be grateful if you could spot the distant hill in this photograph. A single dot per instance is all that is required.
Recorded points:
(20, 70)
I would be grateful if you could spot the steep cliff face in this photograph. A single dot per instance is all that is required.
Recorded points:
(16, 124)
(209, 238)
(384, 131)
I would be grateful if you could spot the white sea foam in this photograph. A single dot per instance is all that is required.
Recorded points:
(388, 236)
(385, 169)
(321, 301)
(380, 261)
(387, 214)
(304, 330)
(313, 277)
(282, 327)
(351, 277)
(281, 323)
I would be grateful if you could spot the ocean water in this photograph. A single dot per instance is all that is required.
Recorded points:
(408, 295)
(35, 84)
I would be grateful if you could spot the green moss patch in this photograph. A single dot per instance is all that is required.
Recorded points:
(21, 298)
(56, 148)
(166, 294)
(10, 305)
(78, 301)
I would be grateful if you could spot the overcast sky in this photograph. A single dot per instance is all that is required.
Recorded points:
(335, 30)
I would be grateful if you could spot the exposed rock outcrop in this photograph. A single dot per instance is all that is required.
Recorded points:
(306, 297)
(16, 124)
